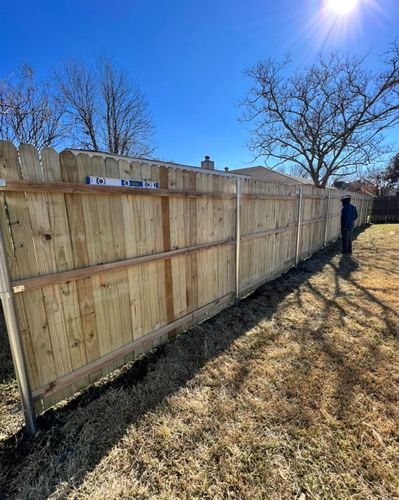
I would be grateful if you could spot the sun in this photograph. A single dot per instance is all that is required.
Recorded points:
(342, 7)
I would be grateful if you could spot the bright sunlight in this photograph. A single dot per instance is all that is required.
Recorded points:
(342, 7)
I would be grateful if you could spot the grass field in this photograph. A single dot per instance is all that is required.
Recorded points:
(291, 394)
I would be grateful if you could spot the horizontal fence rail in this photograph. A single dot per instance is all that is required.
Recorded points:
(101, 274)
(86, 272)
(93, 189)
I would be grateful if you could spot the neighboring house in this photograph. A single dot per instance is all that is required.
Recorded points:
(354, 186)
(268, 174)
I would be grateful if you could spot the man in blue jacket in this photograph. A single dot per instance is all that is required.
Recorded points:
(348, 217)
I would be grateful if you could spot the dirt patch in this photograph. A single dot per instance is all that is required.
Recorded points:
(293, 393)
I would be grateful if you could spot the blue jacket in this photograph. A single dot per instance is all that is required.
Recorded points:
(348, 215)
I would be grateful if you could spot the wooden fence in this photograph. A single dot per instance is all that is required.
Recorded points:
(103, 274)
(385, 209)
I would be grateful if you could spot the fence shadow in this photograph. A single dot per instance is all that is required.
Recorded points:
(84, 422)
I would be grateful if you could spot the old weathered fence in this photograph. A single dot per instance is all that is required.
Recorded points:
(102, 274)
(385, 209)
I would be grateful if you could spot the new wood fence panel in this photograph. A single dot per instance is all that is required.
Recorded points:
(202, 222)
(80, 257)
(165, 180)
(159, 265)
(334, 226)
(187, 233)
(80, 327)
(307, 222)
(36, 258)
(149, 246)
(22, 262)
(178, 240)
(119, 227)
(267, 229)
(65, 296)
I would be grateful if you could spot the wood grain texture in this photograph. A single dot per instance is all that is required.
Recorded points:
(80, 257)
(15, 224)
(167, 245)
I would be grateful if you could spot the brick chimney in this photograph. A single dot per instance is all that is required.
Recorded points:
(208, 164)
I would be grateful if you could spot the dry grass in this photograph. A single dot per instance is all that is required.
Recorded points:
(9, 397)
(292, 394)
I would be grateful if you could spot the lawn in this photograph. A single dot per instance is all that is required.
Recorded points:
(291, 394)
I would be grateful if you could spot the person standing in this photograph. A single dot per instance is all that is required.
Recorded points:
(348, 217)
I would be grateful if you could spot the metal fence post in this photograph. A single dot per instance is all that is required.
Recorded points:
(299, 228)
(238, 238)
(10, 316)
(327, 217)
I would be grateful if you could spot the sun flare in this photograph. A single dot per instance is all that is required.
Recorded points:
(342, 7)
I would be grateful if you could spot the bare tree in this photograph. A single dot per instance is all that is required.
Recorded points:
(106, 110)
(380, 181)
(126, 115)
(327, 119)
(295, 170)
(29, 112)
(391, 173)
(78, 90)
(375, 181)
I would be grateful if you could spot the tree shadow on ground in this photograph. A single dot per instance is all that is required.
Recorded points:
(73, 438)
(352, 315)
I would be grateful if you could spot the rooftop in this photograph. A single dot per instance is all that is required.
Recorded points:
(268, 174)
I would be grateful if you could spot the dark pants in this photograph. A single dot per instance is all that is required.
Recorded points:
(346, 240)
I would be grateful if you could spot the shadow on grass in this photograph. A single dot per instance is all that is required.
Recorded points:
(77, 432)
(352, 314)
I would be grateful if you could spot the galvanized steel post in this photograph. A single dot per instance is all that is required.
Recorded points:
(238, 238)
(327, 217)
(299, 228)
(10, 316)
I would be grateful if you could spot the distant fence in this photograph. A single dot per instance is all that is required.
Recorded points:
(385, 209)
(103, 274)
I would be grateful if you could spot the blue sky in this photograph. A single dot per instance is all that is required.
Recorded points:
(189, 56)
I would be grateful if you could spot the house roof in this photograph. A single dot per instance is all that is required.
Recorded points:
(268, 174)
(357, 186)
(168, 164)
